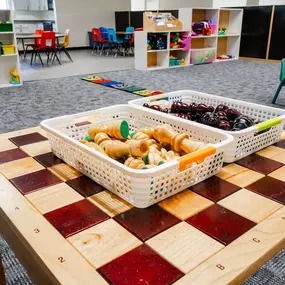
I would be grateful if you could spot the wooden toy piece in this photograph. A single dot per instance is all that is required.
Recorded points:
(148, 131)
(117, 149)
(139, 136)
(154, 158)
(138, 148)
(169, 155)
(134, 163)
(179, 142)
(101, 137)
(95, 146)
(115, 129)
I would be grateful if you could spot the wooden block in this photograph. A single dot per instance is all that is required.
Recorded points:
(54, 197)
(273, 152)
(37, 148)
(250, 205)
(5, 144)
(278, 174)
(50, 249)
(65, 172)
(104, 242)
(110, 203)
(185, 204)
(184, 246)
(239, 175)
(242, 257)
(20, 167)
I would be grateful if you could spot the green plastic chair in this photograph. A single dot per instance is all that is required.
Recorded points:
(282, 81)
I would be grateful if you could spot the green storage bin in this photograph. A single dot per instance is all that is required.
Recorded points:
(6, 27)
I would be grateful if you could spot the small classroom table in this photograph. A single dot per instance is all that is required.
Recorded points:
(67, 229)
(25, 36)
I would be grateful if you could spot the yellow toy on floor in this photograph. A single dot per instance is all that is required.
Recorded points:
(15, 80)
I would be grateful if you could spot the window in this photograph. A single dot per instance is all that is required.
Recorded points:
(3, 4)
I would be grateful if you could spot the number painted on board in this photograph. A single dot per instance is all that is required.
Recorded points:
(283, 218)
(17, 208)
(221, 267)
(36, 231)
(61, 259)
(256, 240)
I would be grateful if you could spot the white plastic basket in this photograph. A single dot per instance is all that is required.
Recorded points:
(246, 141)
(141, 188)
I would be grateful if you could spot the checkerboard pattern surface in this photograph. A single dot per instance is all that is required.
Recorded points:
(184, 239)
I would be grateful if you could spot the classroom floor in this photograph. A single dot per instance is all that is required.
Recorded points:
(83, 63)
(26, 106)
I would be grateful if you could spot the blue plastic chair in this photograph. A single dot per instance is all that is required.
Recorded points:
(128, 37)
(114, 42)
(104, 33)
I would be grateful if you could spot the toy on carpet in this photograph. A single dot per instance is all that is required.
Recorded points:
(121, 86)
(15, 77)
(146, 148)
(221, 117)
(222, 31)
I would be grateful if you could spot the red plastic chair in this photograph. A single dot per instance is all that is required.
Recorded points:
(36, 42)
(47, 45)
(97, 38)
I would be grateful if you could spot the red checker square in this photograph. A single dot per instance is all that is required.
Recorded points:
(102, 80)
(10, 155)
(215, 188)
(269, 187)
(146, 223)
(259, 163)
(140, 266)
(85, 186)
(28, 139)
(48, 159)
(221, 224)
(76, 217)
(34, 181)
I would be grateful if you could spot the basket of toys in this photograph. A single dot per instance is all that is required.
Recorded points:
(140, 155)
(252, 126)
(8, 49)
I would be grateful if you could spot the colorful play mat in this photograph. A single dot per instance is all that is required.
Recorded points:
(121, 86)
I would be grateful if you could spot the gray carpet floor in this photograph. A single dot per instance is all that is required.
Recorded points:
(23, 107)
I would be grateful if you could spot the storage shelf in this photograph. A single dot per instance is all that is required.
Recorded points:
(157, 50)
(177, 49)
(195, 49)
(8, 55)
(157, 67)
(228, 35)
(222, 60)
(6, 33)
(201, 37)
(177, 66)
(10, 85)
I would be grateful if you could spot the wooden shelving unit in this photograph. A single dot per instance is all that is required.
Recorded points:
(10, 61)
(204, 49)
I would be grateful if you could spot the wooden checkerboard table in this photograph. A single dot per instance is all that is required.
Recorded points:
(66, 229)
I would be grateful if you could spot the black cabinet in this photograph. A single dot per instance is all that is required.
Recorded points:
(255, 31)
(277, 44)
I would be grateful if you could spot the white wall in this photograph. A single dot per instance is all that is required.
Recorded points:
(229, 3)
(152, 4)
(138, 5)
(271, 2)
(171, 4)
(80, 16)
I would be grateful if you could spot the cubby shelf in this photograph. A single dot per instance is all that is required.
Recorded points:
(157, 50)
(204, 49)
(8, 61)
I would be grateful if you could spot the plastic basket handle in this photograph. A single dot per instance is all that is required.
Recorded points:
(196, 156)
(268, 124)
(158, 99)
